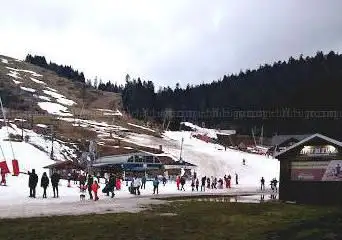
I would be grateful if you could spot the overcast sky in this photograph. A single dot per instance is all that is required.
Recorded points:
(167, 42)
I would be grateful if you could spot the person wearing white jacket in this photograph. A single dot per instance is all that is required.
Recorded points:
(137, 185)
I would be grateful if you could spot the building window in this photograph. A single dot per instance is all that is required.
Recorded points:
(139, 159)
(149, 159)
(156, 160)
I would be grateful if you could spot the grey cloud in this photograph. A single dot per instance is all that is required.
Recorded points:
(175, 41)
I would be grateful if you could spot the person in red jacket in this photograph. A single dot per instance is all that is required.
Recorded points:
(178, 182)
(3, 178)
(118, 184)
(95, 187)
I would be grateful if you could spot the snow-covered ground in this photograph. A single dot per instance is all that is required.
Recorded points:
(26, 71)
(54, 108)
(16, 82)
(212, 160)
(28, 89)
(138, 126)
(57, 108)
(14, 74)
(3, 60)
(59, 97)
(51, 89)
(37, 81)
(102, 128)
(45, 98)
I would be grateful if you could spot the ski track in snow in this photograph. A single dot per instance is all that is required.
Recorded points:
(16, 82)
(28, 89)
(138, 126)
(37, 81)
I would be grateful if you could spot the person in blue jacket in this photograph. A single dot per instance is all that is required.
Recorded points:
(155, 185)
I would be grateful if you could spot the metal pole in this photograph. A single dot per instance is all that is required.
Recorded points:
(22, 129)
(254, 137)
(180, 155)
(52, 139)
(3, 113)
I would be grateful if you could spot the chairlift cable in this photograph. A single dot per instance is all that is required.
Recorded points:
(2, 151)
(3, 113)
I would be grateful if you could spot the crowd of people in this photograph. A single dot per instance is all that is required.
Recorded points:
(273, 183)
(86, 183)
(44, 183)
(90, 183)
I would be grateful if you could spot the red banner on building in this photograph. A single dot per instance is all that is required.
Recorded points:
(317, 171)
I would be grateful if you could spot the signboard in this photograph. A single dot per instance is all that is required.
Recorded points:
(317, 171)
(318, 150)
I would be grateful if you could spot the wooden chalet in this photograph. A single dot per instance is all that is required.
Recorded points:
(311, 171)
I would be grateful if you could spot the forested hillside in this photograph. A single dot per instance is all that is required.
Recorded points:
(304, 83)
(296, 85)
(62, 71)
(311, 83)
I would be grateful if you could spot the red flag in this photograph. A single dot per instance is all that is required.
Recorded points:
(15, 165)
(4, 167)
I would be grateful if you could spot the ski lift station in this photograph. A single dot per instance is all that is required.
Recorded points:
(311, 171)
(141, 162)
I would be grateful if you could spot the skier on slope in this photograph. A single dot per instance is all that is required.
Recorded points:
(82, 182)
(208, 183)
(44, 183)
(95, 187)
(182, 181)
(3, 178)
(111, 185)
(33, 180)
(155, 185)
(89, 184)
(203, 183)
(137, 185)
(229, 181)
(54, 182)
(164, 180)
(178, 182)
(220, 183)
(274, 183)
(262, 181)
(197, 184)
(236, 179)
(192, 185)
(69, 179)
(143, 182)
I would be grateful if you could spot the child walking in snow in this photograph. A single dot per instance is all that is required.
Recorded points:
(95, 187)
(178, 182)
(3, 179)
